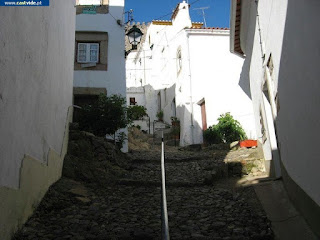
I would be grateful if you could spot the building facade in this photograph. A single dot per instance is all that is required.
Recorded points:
(279, 41)
(36, 65)
(99, 64)
(187, 72)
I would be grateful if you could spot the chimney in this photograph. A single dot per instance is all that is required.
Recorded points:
(181, 16)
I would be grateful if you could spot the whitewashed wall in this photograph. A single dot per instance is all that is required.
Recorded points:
(215, 77)
(138, 93)
(290, 34)
(298, 121)
(36, 66)
(212, 73)
(272, 22)
(135, 69)
(113, 79)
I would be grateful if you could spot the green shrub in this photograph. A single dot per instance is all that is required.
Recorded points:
(136, 126)
(212, 135)
(175, 129)
(136, 112)
(120, 138)
(230, 129)
(104, 117)
(227, 130)
(160, 115)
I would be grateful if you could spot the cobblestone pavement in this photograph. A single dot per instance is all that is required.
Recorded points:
(130, 209)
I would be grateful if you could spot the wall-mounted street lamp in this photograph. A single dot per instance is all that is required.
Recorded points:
(134, 36)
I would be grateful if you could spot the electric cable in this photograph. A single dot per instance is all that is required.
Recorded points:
(159, 18)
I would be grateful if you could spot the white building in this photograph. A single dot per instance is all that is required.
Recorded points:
(280, 43)
(188, 72)
(36, 65)
(99, 49)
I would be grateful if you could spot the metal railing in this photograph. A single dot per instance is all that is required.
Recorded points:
(164, 211)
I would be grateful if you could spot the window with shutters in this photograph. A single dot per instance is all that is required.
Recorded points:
(91, 51)
(88, 53)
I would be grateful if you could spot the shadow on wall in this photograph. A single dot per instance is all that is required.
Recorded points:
(159, 99)
(297, 123)
(190, 130)
(168, 99)
(165, 99)
(244, 81)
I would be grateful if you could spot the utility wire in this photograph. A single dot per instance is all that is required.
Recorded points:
(173, 10)
(194, 2)
(163, 16)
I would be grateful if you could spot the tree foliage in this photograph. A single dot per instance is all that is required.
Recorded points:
(105, 117)
(136, 112)
(212, 136)
(160, 115)
(175, 129)
(226, 131)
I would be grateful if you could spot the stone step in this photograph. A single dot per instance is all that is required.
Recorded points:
(161, 125)
(246, 167)
(166, 133)
(169, 160)
(130, 182)
(169, 142)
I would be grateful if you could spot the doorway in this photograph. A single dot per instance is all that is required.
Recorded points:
(202, 104)
(159, 101)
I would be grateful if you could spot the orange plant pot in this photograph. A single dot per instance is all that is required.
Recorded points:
(249, 143)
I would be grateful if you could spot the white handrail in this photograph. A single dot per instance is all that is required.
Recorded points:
(164, 211)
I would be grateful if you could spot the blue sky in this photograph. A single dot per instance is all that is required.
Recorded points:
(217, 15)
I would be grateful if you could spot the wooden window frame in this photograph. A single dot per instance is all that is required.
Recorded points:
(132, 101)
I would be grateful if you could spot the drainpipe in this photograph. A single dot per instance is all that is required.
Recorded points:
(262, 47)
(191, 101)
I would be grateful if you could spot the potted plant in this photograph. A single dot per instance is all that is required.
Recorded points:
(175, 122)
(160, 115)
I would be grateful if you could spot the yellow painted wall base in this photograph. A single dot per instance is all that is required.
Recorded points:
(17, 205)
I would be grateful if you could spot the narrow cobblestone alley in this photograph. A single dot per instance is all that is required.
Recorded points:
(129, 208)
(159, 120)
